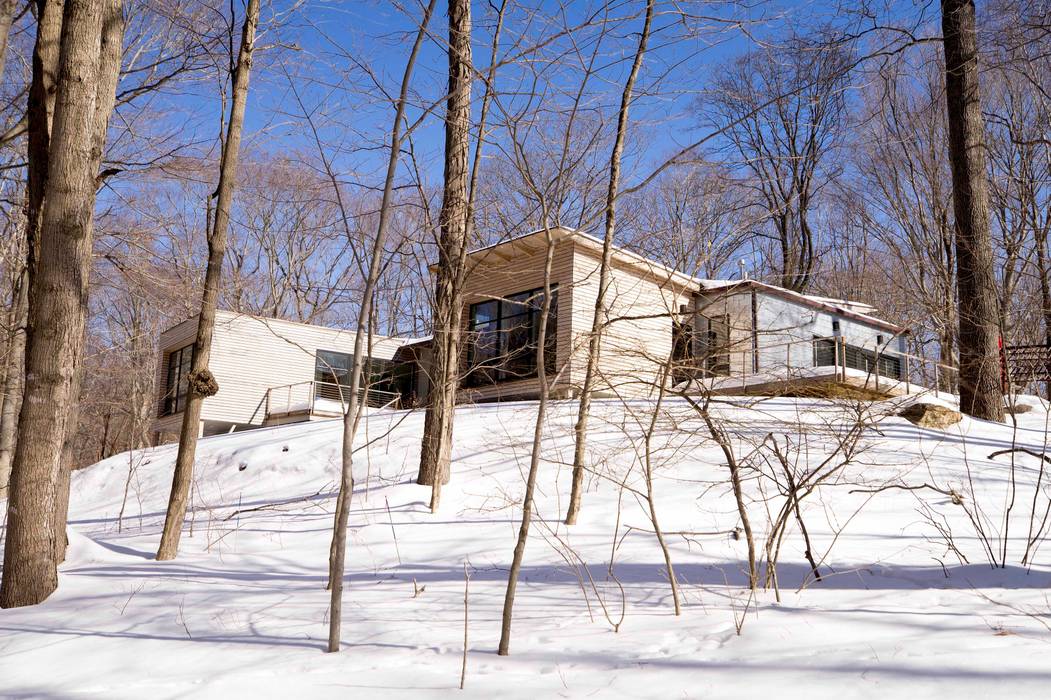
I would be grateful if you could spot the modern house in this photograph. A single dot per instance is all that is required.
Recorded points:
(749, 332)
(722, 335)
(272, 371)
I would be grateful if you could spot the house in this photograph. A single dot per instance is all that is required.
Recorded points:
(660, 325)
(272, 371)
(750, 333)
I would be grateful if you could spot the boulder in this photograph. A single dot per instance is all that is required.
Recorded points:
(1019, 408)
(929, 415)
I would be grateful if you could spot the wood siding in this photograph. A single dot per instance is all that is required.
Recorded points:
(250, 355)
(496, 274)
(637, 338)
(642, 300)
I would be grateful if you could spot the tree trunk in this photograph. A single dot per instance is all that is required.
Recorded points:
(599, 316)
(981, 393)
(57, 312)
(39, 115)
(105, 96)
(14, 376)
(1045, 291)
(201, 382)
(436, 446)
(338, 548)
(7, 18)
(534, 457)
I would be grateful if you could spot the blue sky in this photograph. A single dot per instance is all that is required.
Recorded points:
(323, 51)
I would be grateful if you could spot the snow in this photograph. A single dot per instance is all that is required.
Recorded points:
(242, 611)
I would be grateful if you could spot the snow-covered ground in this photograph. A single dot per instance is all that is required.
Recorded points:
(242, 611)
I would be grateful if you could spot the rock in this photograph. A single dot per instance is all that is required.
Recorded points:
(1019, 408)
(929, 415)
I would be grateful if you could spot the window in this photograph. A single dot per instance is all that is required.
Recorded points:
(332, 367)
(682, 350)
(503, 333)
(717, 342)
(332, 371)
(176, 384)
(835, 326)
(854, 357)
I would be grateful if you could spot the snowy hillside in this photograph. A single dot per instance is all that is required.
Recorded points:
(242, 611)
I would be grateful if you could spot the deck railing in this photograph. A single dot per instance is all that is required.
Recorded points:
(884, 367)
(313, 398)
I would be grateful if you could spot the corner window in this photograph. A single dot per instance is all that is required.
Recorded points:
(503, 335)
(332, 372)
(176, 384)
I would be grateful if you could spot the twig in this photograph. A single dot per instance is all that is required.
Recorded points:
(393, 531)
(1024, 450)
(466, 585)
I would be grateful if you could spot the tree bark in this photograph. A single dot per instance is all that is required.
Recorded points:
(14, 375)
(57, 312)
(599, 316)
(981, 392)
(436, 446)
(106, 94)
(41, 107)
(202, 383)
(7, 18)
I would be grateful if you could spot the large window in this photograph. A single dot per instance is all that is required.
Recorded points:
(503, 334)
(176, 384)
(332, 373)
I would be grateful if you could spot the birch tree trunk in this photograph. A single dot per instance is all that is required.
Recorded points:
(599, 317)
(41, 107)
(981, 393)
(436, 447)
(338, 549)
(57, 312)
(201, 382)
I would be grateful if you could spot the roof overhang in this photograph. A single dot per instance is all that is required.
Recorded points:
(829, 305)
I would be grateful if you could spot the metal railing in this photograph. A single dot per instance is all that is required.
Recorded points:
(884, 368)
(313, 397)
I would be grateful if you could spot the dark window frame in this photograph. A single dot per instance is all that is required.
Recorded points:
(502, 337)
(332, 373)
(717, 341)
(178, 364)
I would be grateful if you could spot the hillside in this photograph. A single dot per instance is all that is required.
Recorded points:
(242, 611)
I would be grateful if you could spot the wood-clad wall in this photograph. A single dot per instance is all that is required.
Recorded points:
(510, 270)
(637, 338)
(249, 356)
(641, 304)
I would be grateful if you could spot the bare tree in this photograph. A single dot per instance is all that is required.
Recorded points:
(599, 317)
(906, 202)
(39, 115)
(452, 251)
(981, 394)
(58, 298)
(7, 18)
(363, 331)
(201, 381)
(783, 110)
